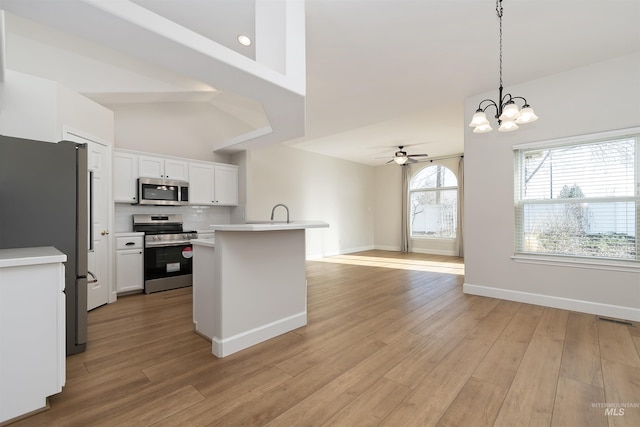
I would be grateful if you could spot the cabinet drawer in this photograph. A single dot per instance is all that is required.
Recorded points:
(129, 242)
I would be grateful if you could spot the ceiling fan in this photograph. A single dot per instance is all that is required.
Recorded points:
(401, 157)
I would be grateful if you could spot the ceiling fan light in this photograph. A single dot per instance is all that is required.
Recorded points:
(510, 112)
(526, 115)
(508, 126)
(400, 160)
(483, 128)
(479, 119)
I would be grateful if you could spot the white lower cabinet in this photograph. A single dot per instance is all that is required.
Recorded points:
(32, 329)
(129, 262)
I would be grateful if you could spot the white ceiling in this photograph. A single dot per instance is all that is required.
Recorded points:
(383, 73)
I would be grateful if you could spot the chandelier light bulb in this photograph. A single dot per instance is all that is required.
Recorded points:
(526, 115)
(508, 126)
(484, 128)
(510, 112)
(479, 119)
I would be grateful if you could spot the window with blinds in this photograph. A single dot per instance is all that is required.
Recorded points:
(580, 199)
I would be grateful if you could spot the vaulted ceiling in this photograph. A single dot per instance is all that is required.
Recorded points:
(379, 73)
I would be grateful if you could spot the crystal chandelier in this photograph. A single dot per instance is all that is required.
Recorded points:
(508, 113)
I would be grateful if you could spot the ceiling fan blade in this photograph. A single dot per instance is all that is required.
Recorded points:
(390, 161)
(418, 155)
(410, 160)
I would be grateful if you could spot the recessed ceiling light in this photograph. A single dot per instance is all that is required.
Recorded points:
(244, 40)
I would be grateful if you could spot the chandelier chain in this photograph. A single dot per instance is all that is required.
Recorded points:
(499, 12)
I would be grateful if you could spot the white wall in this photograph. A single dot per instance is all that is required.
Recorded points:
(599, 97)
(84, 115)
(314, 187)
(29, 107)
(35, 108)
(387, 207)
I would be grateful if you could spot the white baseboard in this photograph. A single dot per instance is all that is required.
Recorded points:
(360, 249)
(444, 252)
(608, 310)
(222, 348)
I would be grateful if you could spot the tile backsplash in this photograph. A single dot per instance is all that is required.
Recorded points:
(193, 217)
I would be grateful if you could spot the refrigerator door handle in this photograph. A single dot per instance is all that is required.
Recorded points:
(91, 248)
(94, 280)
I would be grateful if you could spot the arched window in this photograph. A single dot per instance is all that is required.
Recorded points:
(434, 203)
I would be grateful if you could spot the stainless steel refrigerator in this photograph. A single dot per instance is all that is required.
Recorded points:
(44, 201)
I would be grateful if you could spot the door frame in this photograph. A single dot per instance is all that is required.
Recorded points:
(81, 137)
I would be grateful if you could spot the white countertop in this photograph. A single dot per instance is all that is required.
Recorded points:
(211, 243)
(270, 226)
(30, 256)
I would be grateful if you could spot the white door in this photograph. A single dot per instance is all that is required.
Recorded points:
(98, 259)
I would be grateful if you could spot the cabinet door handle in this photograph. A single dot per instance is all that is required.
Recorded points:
(130, 243)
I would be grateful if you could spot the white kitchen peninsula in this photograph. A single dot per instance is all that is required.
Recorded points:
(249, 283)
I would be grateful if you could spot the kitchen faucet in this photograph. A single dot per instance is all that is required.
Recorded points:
(274, 209)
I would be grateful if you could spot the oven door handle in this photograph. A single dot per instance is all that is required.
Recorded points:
(167, 244)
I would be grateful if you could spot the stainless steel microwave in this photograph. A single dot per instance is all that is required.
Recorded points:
(163, 192)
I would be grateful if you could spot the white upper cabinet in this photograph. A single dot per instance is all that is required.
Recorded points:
(150, 167)
(201, 184)
(125, 175)
(213, 184)
(176, 170)
(209, 183)
(225, 185)
(158, 167)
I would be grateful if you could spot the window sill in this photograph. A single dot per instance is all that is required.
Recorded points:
(446, 239)
(561, 261)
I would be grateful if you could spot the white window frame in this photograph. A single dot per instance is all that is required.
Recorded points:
(570, 260)
(432, 189)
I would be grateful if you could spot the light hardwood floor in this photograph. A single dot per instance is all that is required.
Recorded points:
(391, 340)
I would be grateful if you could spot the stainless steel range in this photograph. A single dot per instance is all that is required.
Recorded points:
(168, 252)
